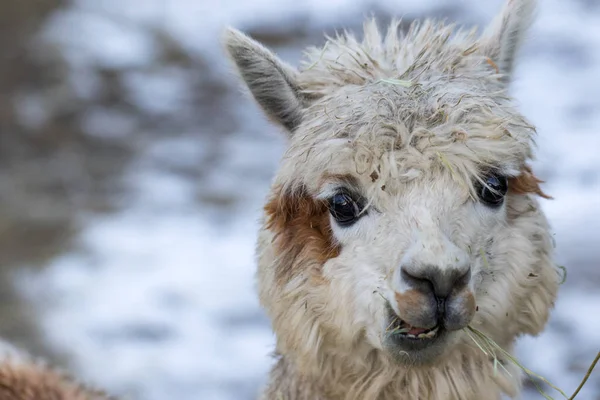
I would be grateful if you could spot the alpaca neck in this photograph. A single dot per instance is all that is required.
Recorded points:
(463, 374)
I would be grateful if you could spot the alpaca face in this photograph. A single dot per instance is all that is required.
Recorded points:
(412, 258)
(393, 222)
(403, 209)
(403, 238)
(416, 246)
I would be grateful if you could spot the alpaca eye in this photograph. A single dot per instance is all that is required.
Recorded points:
(344, 209)
(494, 190)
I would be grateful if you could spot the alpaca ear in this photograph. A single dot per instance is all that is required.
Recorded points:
(503, 38)
(271, 81)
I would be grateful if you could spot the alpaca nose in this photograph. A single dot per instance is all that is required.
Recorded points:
(441, 281)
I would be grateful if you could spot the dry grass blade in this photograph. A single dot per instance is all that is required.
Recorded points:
(476, 342)
(455, 176)
(398, 330)
(489, 347)
(587, 375)
(382, 296)
(490, 351)
(390, 325)
(564, 277)
(493, 348)
(395, 330)
(311, 66)
(484, 258)
(447, 164)
(399, 82)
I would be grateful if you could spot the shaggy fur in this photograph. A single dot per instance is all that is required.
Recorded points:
(24, 378)
(413, 122)
(30, 381)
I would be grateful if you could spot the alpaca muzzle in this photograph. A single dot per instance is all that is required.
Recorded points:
(437, 298)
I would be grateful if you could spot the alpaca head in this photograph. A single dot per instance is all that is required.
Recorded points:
(404, 209)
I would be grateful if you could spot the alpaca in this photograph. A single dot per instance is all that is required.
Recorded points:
(32, 381)
(404, 210)
(24, 378)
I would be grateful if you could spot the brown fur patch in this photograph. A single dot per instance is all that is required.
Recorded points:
(303, 237)
(526, 183)
(470, 301)
(33, 382)
(412, 305)
(470, 305)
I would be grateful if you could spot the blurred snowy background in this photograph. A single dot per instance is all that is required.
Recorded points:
(132, 174)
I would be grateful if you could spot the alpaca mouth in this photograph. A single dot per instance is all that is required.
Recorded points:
(401, 328)
(413, 344)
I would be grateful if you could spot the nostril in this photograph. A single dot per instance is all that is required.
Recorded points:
(416, 279)
(462, 280)
(441, 281)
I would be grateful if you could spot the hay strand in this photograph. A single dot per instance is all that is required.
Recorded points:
(489, 347)
(493, 346)
(564, 277)
(399, 82)
(587, 375)
(484, 258)
(314, 64)
(455, 176)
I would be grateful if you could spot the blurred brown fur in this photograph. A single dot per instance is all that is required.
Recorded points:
(28, 381)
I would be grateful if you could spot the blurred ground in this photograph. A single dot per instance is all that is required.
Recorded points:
(132, 173)
(50, 168)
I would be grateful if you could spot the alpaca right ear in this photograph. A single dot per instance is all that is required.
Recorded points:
(504, 37)
(271, 81)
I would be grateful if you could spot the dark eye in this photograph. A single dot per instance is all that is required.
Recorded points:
(494, 190)
(344, 209)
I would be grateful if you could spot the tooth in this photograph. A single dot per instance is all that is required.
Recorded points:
(428, 335)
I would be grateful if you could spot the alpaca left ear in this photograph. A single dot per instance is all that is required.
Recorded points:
(503, 39)
(271, 81)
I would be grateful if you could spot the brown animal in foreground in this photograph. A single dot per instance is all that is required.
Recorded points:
(31, 381)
